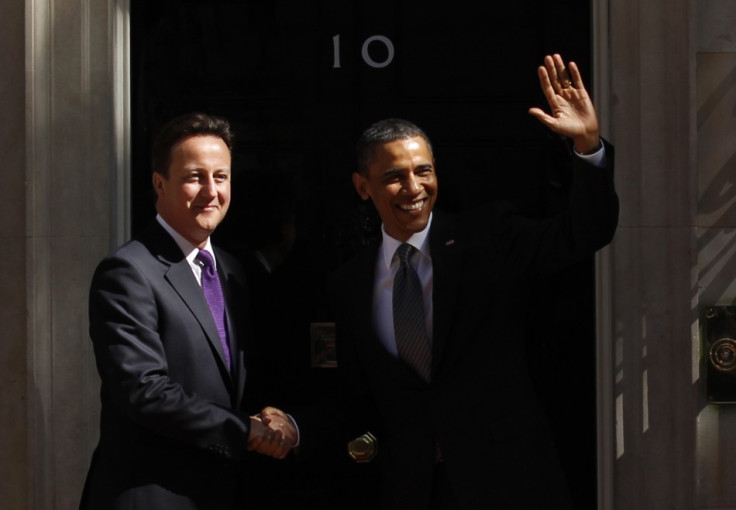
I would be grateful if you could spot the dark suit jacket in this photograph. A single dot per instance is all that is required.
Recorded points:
(480, 406)
(172, 427)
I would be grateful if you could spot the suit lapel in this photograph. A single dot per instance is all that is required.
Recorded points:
(182, 280)
(234, 309)
(445, 246)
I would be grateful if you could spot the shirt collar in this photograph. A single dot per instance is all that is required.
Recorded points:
(189, 250)
(420, 241)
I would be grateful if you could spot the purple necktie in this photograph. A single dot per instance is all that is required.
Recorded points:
(213, 294)
(412, 341)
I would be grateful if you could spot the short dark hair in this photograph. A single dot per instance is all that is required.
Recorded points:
(385, 131)
(184, 126)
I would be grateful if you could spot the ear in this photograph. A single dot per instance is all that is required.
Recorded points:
(158, 183)
(361, 185)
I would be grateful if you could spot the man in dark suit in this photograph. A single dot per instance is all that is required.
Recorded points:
(174, 428)
(449, 397)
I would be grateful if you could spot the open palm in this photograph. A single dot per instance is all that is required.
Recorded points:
(572, 113)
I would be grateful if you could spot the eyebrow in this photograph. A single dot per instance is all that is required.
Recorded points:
(392, 172)
(198, 168)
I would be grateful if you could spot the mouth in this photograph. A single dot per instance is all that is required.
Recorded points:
(208, 208)
(417, 205)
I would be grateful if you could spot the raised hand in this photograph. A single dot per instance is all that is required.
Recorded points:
(571, 111)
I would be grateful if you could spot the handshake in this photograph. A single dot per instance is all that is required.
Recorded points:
(272, 433)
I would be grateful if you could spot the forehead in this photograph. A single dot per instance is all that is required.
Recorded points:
(197, 141)
(200, 147)
(402, 152)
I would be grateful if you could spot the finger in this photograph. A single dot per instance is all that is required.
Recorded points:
(544, 78)
(282, 451)
(563, 76)
(551, 72)
(272, 411)
(278, 451)
(577, 79)
(536, 112)
(270, 446)
(266, 449)
(254, 444)
(548, 89)
(544, 118)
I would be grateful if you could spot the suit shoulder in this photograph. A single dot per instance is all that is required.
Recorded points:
(472, 221)
(132, 252)
(227, 258)
(148, 253)
(132, 249)
(230, 265)
(129, 260)
(151, 242)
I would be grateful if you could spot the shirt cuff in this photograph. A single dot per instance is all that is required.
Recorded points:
(298, 434)
(596, 158)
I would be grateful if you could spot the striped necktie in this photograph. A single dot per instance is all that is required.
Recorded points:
(408, 307)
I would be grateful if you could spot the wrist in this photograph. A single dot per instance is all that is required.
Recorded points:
(588, 146)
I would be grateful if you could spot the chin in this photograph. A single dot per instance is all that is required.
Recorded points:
(208, 222)
(206, 228)
(419, 225)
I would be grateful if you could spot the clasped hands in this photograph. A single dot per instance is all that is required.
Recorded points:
(272, 433)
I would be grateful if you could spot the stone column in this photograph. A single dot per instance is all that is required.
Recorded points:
(62, 213)
(650, 379)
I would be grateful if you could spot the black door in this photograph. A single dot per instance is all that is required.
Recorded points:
(299, 81)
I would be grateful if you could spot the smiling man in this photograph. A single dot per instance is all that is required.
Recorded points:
(400, 179)
(167, 321)
(193, 191)
(428, 320)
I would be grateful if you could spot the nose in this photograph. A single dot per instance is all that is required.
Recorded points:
(412, 184)
(209, 187)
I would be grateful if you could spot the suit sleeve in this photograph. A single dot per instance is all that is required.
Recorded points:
(131, 355)
(530, 247)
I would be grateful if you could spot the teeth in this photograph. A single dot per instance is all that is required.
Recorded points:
(412, 207)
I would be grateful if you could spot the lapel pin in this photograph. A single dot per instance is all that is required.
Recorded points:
(450, 242)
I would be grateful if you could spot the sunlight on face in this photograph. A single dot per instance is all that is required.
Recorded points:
(195, 197)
